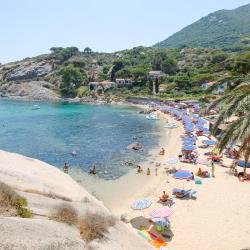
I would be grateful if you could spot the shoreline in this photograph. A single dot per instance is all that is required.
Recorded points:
(132, 185)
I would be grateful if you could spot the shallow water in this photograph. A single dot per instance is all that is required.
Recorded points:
(99, 134)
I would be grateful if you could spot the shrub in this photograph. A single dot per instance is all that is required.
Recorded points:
(82, 91)
(65, 213)
(94, 226)
(9, 198)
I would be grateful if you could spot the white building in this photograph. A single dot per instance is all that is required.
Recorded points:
(155, 73)
(219, 88)
(123, 82)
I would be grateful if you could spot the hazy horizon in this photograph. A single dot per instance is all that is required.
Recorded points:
(30, 29)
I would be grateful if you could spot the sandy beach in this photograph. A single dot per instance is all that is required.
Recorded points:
(218, 219)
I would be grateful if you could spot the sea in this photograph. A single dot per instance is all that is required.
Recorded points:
(99, 134)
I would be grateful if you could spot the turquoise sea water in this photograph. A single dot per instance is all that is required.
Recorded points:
(99, 134)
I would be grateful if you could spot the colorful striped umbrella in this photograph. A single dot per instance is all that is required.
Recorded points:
(161, 212)
(141, 204)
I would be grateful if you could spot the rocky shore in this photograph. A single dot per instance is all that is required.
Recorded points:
(46, 187)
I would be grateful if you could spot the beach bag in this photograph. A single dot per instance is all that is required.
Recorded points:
(197, 181)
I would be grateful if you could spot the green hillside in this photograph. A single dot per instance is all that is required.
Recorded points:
(224, 29)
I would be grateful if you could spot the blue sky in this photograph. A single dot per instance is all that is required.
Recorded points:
(31, 27)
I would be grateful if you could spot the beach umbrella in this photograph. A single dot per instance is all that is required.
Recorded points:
(188, 139)
(172, 161)
(161, 212)
(189, 148)
(182, 175)
(202, 138)
(241, 163)
(141, 204)
(209, 142)
(160, 221)
(206, 132)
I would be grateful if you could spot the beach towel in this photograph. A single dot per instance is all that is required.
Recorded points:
(152, 239)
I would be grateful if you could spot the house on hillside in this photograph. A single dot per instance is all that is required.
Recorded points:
(155, 74)
(218, 88)
(123, 82)
(102, 87)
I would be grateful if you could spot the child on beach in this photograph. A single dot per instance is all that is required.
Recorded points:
(164, 197)
(139, 169)
(162, 151)
(148, 171)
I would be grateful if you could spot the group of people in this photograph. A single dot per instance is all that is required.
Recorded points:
(205, 173)
(66, 169)
(140, 170)
(189, 157)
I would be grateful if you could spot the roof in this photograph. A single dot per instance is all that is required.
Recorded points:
(152, 72)
(123, 79)
(211, 83)
(103, 82)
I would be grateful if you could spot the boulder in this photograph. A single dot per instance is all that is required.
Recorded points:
(135, 146)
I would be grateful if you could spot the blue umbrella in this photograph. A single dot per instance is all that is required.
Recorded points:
(241, 163)
(141, 204)
(209, 142)
(182, 175)
(206, 132)
(189, 147)
(160, 221)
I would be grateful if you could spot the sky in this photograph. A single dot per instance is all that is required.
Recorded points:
(31, 27)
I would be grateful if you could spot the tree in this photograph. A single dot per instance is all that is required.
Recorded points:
(117, 65)
(150, 86)
(235, 101)
(156, 86)
(71, 78)
(169, 66)
(63, 54)
(138, 74)
(242, 63)
(87, 50)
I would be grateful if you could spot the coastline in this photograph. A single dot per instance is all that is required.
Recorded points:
(195, 223)
(222, 201)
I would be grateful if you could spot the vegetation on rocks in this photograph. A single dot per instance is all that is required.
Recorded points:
(94, 226)
(9, 199)
(65, 213)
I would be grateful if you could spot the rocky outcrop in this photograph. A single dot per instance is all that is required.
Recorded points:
(135, 146)
(26, 70)
(24, 234)
(44, 187)
(33, 90)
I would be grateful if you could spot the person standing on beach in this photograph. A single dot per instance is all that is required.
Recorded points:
(156, 171)
(213, 168)
(148, 171)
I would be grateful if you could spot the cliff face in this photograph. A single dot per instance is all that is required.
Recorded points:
(27, 79)
(45, 187)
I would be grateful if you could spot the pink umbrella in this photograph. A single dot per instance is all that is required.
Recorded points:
(161, 212)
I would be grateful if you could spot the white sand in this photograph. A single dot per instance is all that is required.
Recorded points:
(218, 219)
